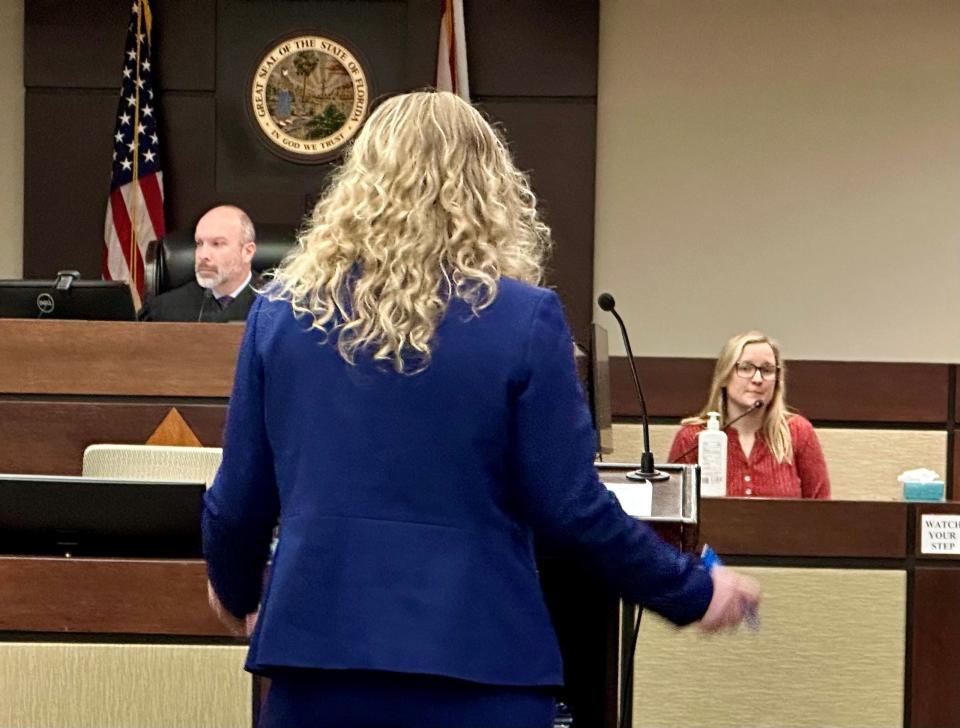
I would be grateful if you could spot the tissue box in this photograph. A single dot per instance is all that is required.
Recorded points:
(934, 491)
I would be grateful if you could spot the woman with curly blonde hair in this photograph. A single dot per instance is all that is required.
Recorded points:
(771, 451)
(414, 219)
(406, 403)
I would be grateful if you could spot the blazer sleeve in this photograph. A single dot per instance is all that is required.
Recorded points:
(561, 494)
(241, 507)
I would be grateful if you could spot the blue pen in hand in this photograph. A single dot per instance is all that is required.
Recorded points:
(710, 559)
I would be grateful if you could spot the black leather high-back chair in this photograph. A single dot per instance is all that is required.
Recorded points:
(169, 261)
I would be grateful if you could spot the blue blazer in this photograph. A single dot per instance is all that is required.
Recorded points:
(408, 504)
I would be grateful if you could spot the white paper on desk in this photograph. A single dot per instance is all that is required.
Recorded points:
(635, 498)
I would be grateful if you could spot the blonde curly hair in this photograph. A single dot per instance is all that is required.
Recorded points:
(427, 206)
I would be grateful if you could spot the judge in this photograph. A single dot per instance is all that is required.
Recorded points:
(226, 243)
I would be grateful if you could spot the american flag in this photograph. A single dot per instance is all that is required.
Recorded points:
(452, 50)
(135, 209)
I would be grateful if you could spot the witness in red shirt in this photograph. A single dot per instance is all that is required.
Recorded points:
(771, 452)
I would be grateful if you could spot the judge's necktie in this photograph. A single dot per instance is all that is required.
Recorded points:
(224, 301)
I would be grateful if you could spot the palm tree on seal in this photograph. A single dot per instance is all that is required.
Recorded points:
(304, 63)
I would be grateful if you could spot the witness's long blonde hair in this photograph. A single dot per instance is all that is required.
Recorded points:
(427, 206)
(776, 431)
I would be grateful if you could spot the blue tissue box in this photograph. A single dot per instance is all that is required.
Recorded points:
(934, 491)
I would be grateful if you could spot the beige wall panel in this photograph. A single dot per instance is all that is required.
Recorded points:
(787, 166)
(863, 464)
(829, 653)
(123, 686)
(628, 442)
(11, 138)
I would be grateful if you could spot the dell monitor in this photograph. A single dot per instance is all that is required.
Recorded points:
(88, 300)
(68, 515)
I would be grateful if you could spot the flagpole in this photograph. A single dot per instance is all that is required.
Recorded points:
(135, 204)
(134, 182)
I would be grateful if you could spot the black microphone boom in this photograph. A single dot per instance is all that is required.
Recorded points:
(756, 405)
(207, 296)
(646, 471)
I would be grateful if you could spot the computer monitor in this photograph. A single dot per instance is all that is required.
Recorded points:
(599, 389)
(89, 300)
(60, 515)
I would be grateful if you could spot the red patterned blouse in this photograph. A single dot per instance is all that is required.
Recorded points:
(760, 475)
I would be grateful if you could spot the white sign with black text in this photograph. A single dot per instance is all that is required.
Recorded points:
(940, 534)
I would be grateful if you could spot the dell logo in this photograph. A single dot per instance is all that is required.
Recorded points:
(45, 303)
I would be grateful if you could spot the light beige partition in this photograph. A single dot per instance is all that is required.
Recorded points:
(863, 463)
(11, 138)
(57, 685)
(830, 652)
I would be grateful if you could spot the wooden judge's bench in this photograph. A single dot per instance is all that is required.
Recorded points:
(113, 642)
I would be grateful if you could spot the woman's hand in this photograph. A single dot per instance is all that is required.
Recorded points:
(734, 598)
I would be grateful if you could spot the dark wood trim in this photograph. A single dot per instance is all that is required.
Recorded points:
(950, 479)
(106, 596)
(48, 437)
(935, 643)
(673, 386)
(804, 528)
(867, 392)
(908, 676)
(953, 458)
(955, 394)
(114, 358)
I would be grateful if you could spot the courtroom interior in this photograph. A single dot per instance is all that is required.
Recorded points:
(718, 167)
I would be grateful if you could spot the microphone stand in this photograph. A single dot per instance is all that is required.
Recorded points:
(207, 296)
(647, 470)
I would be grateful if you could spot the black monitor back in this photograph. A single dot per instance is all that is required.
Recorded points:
(599, 389)
(59, 515)
(88, 300)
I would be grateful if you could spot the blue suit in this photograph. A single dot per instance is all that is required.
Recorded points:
(408, 504)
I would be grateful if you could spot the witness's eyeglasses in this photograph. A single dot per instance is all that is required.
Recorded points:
(747, 370)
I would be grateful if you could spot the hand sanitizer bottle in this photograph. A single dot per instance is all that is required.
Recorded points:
(713, 458)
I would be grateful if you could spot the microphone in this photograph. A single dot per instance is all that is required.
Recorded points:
(756, 405)
(207, 296)
(646, 471)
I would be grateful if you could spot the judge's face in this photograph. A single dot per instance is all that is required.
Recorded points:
(753, 378)
(221, 258)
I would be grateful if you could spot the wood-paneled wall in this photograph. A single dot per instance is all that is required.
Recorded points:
(532, 65)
